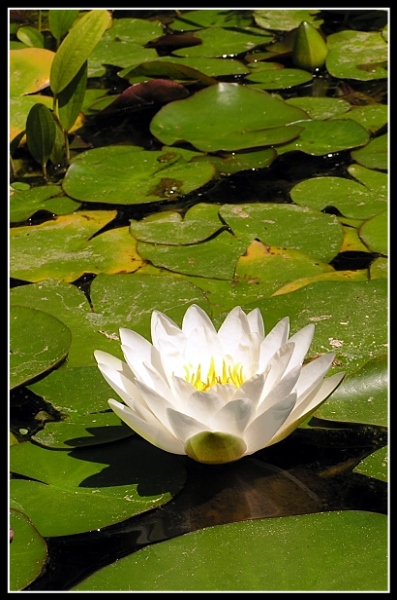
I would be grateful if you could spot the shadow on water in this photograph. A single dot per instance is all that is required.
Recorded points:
(311, 471)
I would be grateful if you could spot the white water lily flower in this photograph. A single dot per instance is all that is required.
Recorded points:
(216, 396)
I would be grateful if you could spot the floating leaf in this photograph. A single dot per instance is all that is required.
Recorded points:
(46, 346)
(27, 554)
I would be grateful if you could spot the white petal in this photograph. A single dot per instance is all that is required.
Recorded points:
(196, 318)
(277, 366)
(273, 341)
(234, 330)
(252, 389)
(255, 321)
(203, 405)
(158, 403)
(201, 346)
(183, 426)
(233, 417)
(262, 429)
(316, 397)
(112, 362)
(122, 385)
(164, 328)
(152, 431)
(312, 373)
(302, 340)
(281, 390)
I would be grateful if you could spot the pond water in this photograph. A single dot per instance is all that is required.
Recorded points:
(314, 470)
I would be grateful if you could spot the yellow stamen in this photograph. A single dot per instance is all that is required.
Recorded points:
(230, 374)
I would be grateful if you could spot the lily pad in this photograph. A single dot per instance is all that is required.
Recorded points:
(321, 108)
(215, 257)
(222, 42)
(362, 397)
(358, 55)
(351, 198)
(46, 345)
(286, 19)
(199, 223)
(347, 551)
(282, 225)
(227, 117)
(371, 116)
(130, 175)
(375, 154)
(91, 488)
(25, 203)
(63, 248)
(278, 79)
(27, 554)
(319, 138)
(374, 233)
(375, 465)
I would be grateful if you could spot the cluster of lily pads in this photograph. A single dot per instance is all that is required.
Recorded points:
(238, 90)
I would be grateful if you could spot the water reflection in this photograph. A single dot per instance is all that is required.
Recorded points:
(309, 472)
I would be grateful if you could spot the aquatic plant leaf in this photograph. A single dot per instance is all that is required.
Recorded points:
(87, 489)
(375, 465)
(352, 544)
(374, 233)
(46, 346)
(227, 117)
(27, 554)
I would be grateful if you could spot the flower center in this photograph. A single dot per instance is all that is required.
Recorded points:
(228, 374)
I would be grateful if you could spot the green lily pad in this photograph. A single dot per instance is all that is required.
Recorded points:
(375, 465)
(227, 117)
(220, 42)
(319, 138)
(375, 154)
(347, 552)
(376, 181)
(278, 79)
(27, 554)
(286, 19)
(362, 397)
(130, 175)
(123, 44)
(321, 108)
(194, 19)
(351, 198)
(46, 345)
(282, 225)
(371, 116)
(215, 257)
(358, 55)
(199, 223)
(379, 269)
(91, 488)
(63, 248)
(374, 233)
(25, 203)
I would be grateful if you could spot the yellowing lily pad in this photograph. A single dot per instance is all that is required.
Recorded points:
(29, 73)
(63, 248)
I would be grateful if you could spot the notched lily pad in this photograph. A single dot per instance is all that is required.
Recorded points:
(130, 175)
(199, 223)
(27, 554)
(25, 203)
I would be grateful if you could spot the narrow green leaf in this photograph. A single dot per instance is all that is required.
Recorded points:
(60, 21)
(40, 133)
(76, 48)
(31, 37)
(72, 97)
